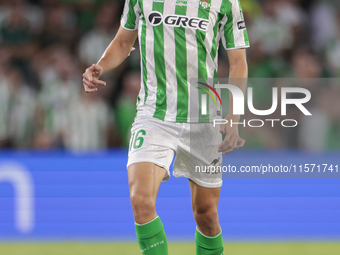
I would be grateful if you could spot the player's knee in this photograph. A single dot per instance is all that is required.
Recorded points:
(143, 207)
(207, 220)
(206, 217)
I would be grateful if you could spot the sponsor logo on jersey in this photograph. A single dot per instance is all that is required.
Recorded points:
(205, 4)
(241, 25)
(156, 18)
(181, 2)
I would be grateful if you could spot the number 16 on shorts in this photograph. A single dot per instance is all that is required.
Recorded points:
(137, 139)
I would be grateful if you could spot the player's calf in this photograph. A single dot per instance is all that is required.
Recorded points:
(208, 236)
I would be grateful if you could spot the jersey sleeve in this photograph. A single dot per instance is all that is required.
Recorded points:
(131, 15)
(233, 31)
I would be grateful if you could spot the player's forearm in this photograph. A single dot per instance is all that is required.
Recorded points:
(238, 77)
(114, 55)
(118, 50)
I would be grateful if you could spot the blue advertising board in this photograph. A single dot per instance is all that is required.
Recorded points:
(63, 196)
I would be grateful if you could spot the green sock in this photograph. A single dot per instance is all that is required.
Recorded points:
(151, 238)
(208, 245)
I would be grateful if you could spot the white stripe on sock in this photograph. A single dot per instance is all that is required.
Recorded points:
(147, 222)
(211, 237)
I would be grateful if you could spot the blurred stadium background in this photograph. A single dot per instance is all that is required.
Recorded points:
(63, 183)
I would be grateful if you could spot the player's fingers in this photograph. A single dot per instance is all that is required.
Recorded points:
(98, 82)
(90, 89)
(87, 90)
(241, 141)
(227, 151)
(88, 83)
(221, 147)
(225, 144)
(88, 75)
(230, 146)
(234, 143)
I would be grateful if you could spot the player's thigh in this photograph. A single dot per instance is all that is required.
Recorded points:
(145, 179)
(204, 199)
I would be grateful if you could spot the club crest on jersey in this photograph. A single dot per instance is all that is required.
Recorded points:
(181, 2)
(241, 12)
(205, 4)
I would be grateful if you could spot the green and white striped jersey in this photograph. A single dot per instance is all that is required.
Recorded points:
(179, 42)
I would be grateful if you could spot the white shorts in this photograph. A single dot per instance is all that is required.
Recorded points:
(195, 144)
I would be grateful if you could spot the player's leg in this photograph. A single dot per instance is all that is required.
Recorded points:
(144, 181)
(208, 235)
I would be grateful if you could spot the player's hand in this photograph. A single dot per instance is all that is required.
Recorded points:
(91, 78)
(232, 140)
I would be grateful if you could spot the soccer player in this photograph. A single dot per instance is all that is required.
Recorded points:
(178, 42)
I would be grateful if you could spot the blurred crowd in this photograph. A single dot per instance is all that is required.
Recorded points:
(45, 45)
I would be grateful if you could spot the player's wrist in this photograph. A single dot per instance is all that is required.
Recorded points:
(102, 66)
